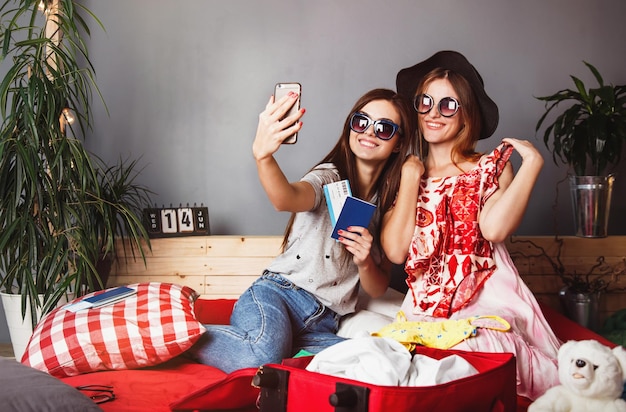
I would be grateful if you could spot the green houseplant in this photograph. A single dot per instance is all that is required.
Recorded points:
(587, 136)
(47, 178)
(61, 208)
(119, 215)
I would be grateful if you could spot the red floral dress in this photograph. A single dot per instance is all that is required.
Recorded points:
(464, 275)
(448, 247)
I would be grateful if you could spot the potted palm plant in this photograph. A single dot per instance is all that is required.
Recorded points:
(45, 173)
(60, 209)
(587, 136)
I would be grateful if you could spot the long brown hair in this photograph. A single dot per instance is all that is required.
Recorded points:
(388, 182)
(465, 146)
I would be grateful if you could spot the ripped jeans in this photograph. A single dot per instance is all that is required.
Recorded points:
(272, 320)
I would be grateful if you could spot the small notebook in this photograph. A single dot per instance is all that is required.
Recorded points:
(355, 212)
(102, 299)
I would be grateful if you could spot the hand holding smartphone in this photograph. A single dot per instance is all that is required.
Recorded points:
(281, 90)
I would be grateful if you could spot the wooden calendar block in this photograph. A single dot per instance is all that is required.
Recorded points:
(185, 220)
(176, 221)
(169, 221)
(201, 220)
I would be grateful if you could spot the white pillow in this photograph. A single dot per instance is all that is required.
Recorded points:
(371, 314)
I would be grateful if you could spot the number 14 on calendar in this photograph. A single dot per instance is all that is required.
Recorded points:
(179, 221)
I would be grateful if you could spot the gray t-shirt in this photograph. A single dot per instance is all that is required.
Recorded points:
(313, 260)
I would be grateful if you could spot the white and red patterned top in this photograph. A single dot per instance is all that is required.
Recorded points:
(447, 246)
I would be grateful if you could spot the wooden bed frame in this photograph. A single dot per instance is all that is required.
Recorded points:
(221, 267)
(224, 266)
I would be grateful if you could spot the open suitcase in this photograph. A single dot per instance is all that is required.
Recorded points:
(288, 387)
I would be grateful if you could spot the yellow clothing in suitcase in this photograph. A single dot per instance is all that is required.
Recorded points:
(439, 334)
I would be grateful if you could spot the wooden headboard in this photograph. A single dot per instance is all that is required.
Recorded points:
(214, 266)
(224, 266)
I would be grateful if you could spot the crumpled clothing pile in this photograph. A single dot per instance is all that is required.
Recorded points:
(385, 361)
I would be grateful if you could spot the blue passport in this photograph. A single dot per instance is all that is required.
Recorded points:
(355, 212)
(110, 296)
(105, 298)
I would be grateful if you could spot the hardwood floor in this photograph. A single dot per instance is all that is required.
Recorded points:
(6, 350)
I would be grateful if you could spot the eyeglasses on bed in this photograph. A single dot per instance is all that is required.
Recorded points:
(98, 393)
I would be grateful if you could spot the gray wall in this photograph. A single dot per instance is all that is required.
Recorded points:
(185, 81)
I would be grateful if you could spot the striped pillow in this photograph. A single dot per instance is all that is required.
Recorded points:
(145, 329)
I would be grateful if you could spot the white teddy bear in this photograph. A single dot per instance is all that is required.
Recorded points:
(592, 379)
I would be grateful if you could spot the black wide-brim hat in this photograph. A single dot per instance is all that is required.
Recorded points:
(409, 78)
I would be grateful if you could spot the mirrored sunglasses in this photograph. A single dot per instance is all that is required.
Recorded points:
(448, 106)
(383, 129)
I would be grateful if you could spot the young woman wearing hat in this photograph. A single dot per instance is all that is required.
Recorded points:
(467, 205)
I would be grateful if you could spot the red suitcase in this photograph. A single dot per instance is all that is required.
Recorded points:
(288, 387)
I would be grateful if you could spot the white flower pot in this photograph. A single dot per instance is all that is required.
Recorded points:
(20, 329)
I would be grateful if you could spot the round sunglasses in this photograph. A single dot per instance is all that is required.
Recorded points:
(448, 106)
(383, 129)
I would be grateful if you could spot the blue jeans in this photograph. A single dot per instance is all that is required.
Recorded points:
(272, 320)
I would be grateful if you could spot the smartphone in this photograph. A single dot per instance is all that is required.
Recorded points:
(280, 90)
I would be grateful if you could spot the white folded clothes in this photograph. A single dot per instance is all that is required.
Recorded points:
(385, 361)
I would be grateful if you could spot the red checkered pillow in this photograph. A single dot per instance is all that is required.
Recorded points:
(145, 329)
